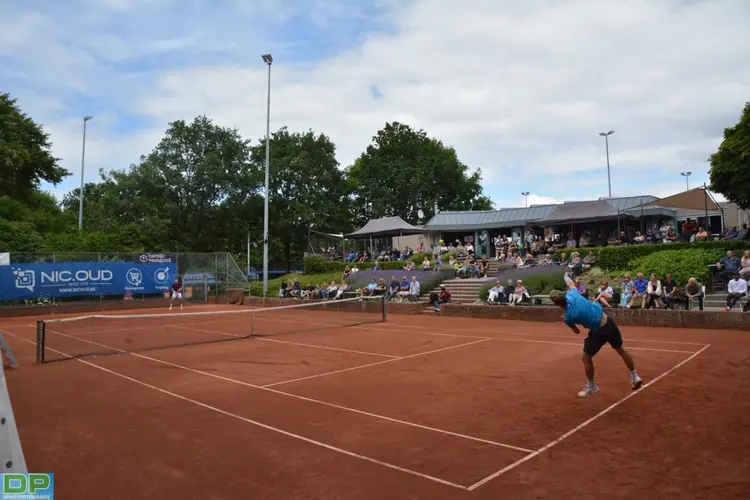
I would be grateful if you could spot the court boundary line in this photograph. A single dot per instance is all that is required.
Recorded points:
(304, 398)
(260, 424)
(579, 427)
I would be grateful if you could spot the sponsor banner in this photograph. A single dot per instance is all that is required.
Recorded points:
(156, 258)
(70, 279)
(198, 278)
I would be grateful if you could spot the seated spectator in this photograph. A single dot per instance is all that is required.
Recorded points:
(728, 266)
(355, 269)
(517, 260)
(639, 238)
(563, 260)
(410, 266)
(669, 290)
(403, 291)
(395, 254)
(483, 265)
(473, 268)
(343, 287)
(547, 262)
(361, 257)
(654, 292)
(332, 289)
(519, 293)
(571, 243)
(469, 249)
(742, 234)
(347, 272)
(509, 290)
(352, 256)
(701, 235)
(623, 238)
(528, 261)
(745, 266)
(307, 292)
(426, 264)
(414, 289)
(420, 247)
(605, 294)
(376, 267)
(283, 289)
(694, 291)
(731, 234)
(393, 289)
(451, 261)
(295, 291)
(407, 254)
(737, 289)
(581, 288)
(460, 251)
(575, 266)
(585, 240)
(671, 237)
(589, 261)
(664, 229)
(369, 290)
(443, 298)
(651, 237)
(456, 268)
(495, 293)
(382, 287)
(640, 291)
(321, 291)
(627, 291)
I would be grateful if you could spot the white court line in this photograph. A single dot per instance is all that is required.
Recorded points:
(375, 364)
(259, 424)
(580, 344)
(578, 428)
(268, 389)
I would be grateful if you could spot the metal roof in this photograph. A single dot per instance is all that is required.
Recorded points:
(510, 217)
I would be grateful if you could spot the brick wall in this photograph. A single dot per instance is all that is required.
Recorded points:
(335, 305)
(713, 320)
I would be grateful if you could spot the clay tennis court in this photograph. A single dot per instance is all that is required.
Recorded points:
(417, 407)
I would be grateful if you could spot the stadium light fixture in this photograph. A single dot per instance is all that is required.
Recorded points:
(83, 163)
(268, 59)
(606, 144)
(686, 175)
(525, 195)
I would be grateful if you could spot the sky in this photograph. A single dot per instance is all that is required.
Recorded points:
(520, 88)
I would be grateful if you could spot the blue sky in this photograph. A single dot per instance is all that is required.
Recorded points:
(520, 89)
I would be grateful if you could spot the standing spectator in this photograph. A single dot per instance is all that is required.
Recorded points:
(640, 287)
(627, 291)
(688, 227)
(728, 266)
(669, 289)
(414, 289)
(495, 293)
(605, 294)
(519, 293)
(694, 290)
(654, 292)
(737, 289)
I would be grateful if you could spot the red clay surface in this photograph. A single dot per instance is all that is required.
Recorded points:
(418, 407)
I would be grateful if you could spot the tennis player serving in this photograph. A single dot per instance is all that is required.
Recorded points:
(176, 293)
(602, 330)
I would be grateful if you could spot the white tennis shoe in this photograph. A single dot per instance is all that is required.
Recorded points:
(636, 382)
(589, 390)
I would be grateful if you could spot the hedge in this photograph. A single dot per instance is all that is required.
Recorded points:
(682, 264)
(620, 256)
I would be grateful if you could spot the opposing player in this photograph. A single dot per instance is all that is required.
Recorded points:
(176, 294)
(602, 330)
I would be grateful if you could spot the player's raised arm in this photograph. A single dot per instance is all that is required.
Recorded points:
(569, 282)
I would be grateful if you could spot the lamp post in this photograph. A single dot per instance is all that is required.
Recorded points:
(268, 59)
(525, 195)
(686, 175)
(83, 163)
(606, 144)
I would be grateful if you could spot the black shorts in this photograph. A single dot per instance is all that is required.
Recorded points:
(608, 334)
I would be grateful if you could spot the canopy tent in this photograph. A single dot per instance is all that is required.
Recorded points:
(580, 212)
(332, 236)
(386, 226)
(695, 199)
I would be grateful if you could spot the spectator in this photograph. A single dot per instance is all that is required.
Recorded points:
(519, 293)
(627, 291)
(571, 243)
(528, 261)
(563, 260)
(623, 238)
(742, 234)
(376, 267)
(403, 291)
(640, 288)
(369, 290)
(393, 289)
(347, 272)
(460, 250)
(307, 292)
(605, 294)
(694, 290)
(639, 238)
(296, 289)
(581, 288)
(728, 266)
(701, 235)
(451, 261)
(589, 261)
(414, 289)
(669, 289)
(411, 266)
(654, 292)
(483, 264)
(664, 229)
(737, 289)
(332, 289)
(443, 298)
(671, 237)
(575, 266)
(585, 240)
(283, 289)
(382, 287)
(355, 269)
(547, 262)
(495, 293)
(341, 290)
(650, 236)
(426, 264)
(469, 249)
(420, 247)
(321, 291)
(732, 233)
(745, 266)
(688, 228)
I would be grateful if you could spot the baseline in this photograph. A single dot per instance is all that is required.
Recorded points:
(581, 426)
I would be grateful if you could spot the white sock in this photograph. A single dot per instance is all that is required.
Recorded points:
(633, 374)
(590, 383)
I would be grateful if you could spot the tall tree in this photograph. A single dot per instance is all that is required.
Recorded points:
(404, 171)
(25, 157)
(730, 165)
(306, 187)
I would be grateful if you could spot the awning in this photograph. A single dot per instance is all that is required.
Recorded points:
(333, 236)
(580, 213)
(695, 199)
(387, 226)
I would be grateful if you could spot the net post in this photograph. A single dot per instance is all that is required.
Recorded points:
(40, 341)
(382, 305)
(252, 323)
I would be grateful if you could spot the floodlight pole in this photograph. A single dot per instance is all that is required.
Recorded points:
(268, 59)
(606, 145)
(686, 175)
(83, 163)
(525, 195)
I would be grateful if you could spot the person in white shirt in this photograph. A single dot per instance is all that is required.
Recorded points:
(495, 292)
(737, 289)
(604, 294)
(414, 289)
(653, 290)
(519, 293)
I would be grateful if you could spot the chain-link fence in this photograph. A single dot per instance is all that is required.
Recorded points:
(203, 275)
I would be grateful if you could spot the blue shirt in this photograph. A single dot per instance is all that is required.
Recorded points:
(640, 285)
(580, 311)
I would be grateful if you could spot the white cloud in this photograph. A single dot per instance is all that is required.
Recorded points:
(520, 89)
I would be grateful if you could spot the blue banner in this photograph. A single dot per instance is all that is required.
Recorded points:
(71, 279)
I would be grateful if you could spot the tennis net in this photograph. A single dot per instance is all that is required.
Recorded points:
(70, 338)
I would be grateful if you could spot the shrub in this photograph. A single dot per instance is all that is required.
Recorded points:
(427, 280)
(316, 264)
(683, 264)
(620, 256)
(538, 280)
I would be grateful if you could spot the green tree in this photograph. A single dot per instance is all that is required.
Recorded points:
(730, 165)
(306, 187)
(404, 171)
(25, 158)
